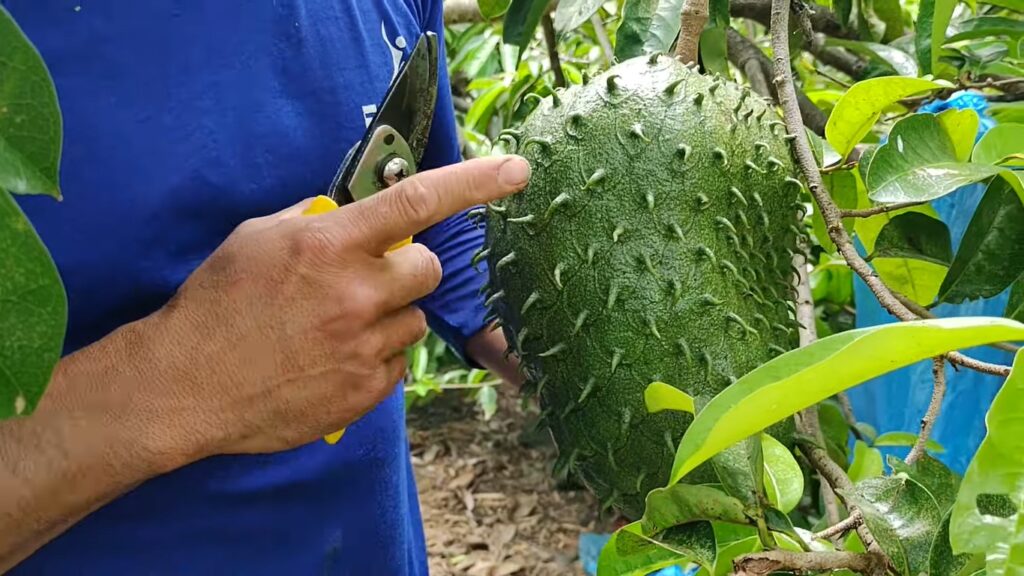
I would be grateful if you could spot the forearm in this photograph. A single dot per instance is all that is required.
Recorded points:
(487, 348)
(86, 444)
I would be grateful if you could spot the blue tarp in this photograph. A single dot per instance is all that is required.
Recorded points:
(896, 401)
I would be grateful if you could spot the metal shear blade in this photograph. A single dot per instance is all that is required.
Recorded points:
(394, 142)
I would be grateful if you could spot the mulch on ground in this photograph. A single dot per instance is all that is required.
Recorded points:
(490, 504)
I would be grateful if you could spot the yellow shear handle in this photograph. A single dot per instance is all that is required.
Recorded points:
(320, 205)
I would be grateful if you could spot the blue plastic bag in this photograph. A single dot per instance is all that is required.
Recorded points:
(896, 401)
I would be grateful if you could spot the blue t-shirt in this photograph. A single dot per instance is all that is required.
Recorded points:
(182, 119)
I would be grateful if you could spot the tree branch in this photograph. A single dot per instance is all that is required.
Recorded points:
(746, 56)
(768, 562)
(602, 38)
(840, 528)
(822, 19)
(692, 19)
(928, 421)
(876, 210)
(552, 42)
(783, 81)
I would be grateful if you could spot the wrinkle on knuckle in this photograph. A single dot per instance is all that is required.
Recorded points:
(313, 241)
(416, 202)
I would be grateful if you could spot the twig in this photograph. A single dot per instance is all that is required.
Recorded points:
(692, 19)
(768, 562)
(847, 409)
(837, 478)
(602, 38)
(746, 56)
(803, 18)
(822, 19)
(839, 528)
(783, 80)
(876, 210)
(552, 42)
(928, 421)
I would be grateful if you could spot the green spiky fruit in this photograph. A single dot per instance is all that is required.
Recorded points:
(653, 243)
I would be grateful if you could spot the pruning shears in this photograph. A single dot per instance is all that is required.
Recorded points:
(393, 144)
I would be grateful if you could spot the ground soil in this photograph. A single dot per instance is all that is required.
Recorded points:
(490, 504)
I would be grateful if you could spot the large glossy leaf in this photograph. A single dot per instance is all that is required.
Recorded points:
(30, 120)
(733, 541)
(805, 376)
(999, 143)
(660, 396)
(918, 280)
(684, 503)
(997, 469)
(630, 553)
(962, 128)
(919, 162)
(521, 22)
(902, 63)
(783, 478)
(1015, 304)
(991, 254)
(33, 313)
(941, 482)
(647, 26)
(930, 34)
(902, 516)
(860, 107)
(983, 26)
(570, 14)
(867, 462)
(915, 235)
(891, 14)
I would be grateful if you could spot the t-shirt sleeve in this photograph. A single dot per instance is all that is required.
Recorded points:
(455, 311)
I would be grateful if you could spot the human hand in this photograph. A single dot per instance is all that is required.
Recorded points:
(297, 325)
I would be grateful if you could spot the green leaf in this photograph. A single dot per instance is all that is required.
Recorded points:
(907, 439)
(942, 561)
(33, 313)
(915, 235)
(867, 462)
(647, 26)
(713, 51)
(984, 26)
(733, 541)
(733, 466)
(932, 20)
(30, 120)
(482, 109)
(962, 128)
(487, 400)
(862, 105)
(659, 396)
(997, 469)
(783, 478)
(842, 187)
(1015, 304)
(630, 553)
(521, 22)
(941, 482)
(991, 254)
(571, 14)
(683, 503)
(805, 376)
(918, 280)
(777, 521)
(493, 8)
(883, 54)
(1000, 142)
(919, 162)
(902, 516)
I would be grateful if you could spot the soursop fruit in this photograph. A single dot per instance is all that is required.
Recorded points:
(653, 243)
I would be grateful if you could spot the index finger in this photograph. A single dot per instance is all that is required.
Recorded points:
(428, 197)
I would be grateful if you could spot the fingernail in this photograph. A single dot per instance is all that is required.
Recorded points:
(514, 173)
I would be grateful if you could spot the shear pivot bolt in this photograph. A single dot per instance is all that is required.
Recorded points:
(395, 170)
